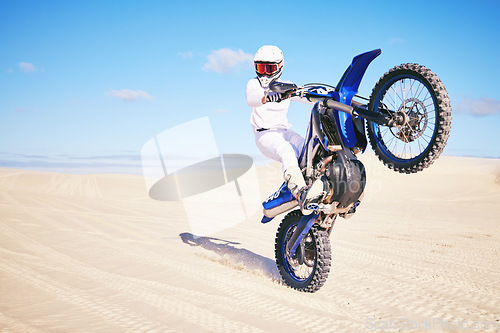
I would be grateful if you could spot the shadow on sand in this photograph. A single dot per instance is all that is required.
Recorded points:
(237, 257)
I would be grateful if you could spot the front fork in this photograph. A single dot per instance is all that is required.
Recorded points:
(305, 224)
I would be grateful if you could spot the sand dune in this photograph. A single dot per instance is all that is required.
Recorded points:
(93, 253)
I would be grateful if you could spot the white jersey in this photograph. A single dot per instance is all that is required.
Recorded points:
(270, 115)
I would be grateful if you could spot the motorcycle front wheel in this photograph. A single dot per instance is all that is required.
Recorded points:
(417, 92)
(307, 270)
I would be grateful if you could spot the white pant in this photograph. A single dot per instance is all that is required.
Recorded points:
(280, 145)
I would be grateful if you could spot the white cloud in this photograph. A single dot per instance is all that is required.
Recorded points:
(129, 95)
(26, 67)
(224, 61)
(397, 40)
(185, 55)
(23, 109)
(479, 106)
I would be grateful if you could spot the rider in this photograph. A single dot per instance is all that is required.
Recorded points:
(273, 135)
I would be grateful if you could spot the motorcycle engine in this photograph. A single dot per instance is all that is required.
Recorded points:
(347, 178)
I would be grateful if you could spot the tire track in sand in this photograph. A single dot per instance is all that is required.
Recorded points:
(9, 324)
(241, 296)
(135, 287)
(402, 290)
(111, 312)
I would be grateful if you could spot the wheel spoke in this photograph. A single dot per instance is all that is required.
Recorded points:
(299, 271)
(417, 92)
(414, 98)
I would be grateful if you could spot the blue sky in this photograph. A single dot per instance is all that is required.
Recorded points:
(85, 84)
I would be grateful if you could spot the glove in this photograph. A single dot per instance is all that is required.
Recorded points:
(273, 97)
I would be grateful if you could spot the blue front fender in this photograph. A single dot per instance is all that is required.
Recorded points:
(346, 89)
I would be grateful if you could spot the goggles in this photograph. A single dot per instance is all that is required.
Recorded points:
(267, 68)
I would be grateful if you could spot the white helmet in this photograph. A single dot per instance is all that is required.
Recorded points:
(268, 64)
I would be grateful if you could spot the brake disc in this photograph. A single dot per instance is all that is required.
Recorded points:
(417, 121)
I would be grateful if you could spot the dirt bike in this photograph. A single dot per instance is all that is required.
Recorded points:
(407, 120)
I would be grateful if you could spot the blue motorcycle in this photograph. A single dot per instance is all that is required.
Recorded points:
(407, 121)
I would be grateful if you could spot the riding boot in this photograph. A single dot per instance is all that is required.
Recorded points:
(308, 198)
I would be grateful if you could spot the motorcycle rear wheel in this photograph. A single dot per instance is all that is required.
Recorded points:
(308, 269)
(420, 94)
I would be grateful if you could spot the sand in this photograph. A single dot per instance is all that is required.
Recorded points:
(93, 253)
